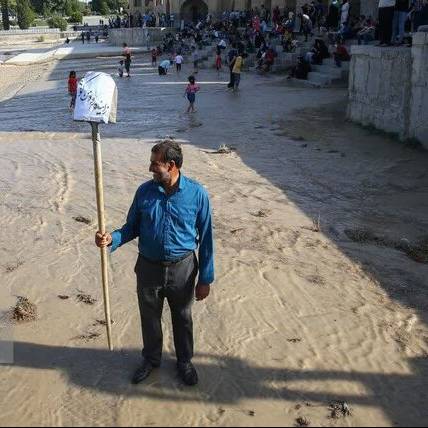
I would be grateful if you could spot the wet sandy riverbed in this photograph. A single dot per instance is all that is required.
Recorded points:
(301, 315)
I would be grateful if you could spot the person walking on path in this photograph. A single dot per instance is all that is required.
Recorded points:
(171, 216)
(178, 62)
(127, 55)
(236, 71)
(195, 57)
(120, 68)
(231, 56)
(218, 62)
(190, 92)
(154, 57)
(72, 88)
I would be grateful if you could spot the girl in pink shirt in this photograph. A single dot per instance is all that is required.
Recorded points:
(190, 92)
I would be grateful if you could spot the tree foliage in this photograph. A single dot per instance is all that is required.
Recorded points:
(116, 5)
(75, 17)
(54, 8)
(57, 22)
(24, 13)
(4, 4)
(100, 6)
(57, 7)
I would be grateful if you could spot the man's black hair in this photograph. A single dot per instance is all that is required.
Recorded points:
(171, 151)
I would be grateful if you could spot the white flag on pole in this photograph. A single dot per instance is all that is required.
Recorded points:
(96, 99)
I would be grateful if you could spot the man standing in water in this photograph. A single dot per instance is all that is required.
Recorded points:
(171, 216)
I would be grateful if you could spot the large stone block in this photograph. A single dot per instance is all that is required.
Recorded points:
(380, 87)
(138, 36)
(419, 115)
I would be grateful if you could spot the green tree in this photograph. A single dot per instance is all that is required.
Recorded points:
(57, 7)
(25, 14)
(75, 17)
(115, 5)
(45, 7)
(100, 6)
(57, 22)
(5, 14)
(38, 6)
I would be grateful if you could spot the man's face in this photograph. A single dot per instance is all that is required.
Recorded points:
(161, 170)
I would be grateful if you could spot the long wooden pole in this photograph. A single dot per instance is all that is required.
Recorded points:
(98, 168)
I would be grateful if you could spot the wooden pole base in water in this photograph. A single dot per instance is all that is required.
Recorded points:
(98, 168)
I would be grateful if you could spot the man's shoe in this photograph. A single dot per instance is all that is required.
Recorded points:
(142, 372)
(187, 373)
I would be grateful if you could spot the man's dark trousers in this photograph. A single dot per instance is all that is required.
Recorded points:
(386, 16)
(176, 283)
(231, 83)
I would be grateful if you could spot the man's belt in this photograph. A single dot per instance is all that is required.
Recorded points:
(168, 262)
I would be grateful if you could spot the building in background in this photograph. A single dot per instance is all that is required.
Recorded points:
(192, 10)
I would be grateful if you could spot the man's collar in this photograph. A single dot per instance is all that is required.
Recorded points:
(181, 183)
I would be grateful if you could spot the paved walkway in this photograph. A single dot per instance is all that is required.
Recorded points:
(75, 50)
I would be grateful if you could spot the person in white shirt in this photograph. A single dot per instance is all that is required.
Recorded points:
(222, 43)
(178, 61)
(344, 16)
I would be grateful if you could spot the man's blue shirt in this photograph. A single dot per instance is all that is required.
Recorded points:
(168, 227)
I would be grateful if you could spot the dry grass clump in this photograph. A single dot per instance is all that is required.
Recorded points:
(24, 310)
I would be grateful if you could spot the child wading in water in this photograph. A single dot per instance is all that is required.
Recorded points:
(191, 90)
(72, 88)
(120, 69)
(218, 63)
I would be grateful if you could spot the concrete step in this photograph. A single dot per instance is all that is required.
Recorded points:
(330, 62)
(276, 68)
(303, 83)
(333, 72)
(319, 78)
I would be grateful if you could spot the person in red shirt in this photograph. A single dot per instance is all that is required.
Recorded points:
(218, 63)
(72, 88)
(269, 59)
(341, 54)
(154, 57)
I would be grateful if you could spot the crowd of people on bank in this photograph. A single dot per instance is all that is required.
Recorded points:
(260, 31)
(149, 19)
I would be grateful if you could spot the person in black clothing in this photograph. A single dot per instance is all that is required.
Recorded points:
(301, 70)
(258, 40)
(420, 15)
(127, 55)
(231, 56)
(322, 48)
(386, 16)
(333, 16)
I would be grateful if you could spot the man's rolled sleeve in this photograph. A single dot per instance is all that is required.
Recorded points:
(206, 244)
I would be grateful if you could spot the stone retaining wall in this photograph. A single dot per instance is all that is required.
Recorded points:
(29, 37)
(137, 36)
(388, 88)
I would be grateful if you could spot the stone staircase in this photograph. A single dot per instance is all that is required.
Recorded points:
(328, 73)
(324, 75)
